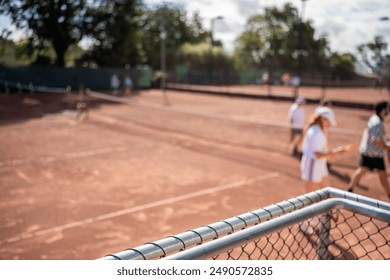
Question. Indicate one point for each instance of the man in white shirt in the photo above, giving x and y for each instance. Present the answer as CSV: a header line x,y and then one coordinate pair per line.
x,y
296,118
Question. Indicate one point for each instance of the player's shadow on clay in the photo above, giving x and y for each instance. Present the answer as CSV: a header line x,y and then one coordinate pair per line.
x,y
343,177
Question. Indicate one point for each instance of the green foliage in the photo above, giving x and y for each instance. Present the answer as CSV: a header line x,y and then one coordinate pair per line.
x,y
342,66
277,39
114,27
73,54
173,23
56,21
44,55
199,56
121,32
194,55
7,56
250,45
269,37
374,54
4,44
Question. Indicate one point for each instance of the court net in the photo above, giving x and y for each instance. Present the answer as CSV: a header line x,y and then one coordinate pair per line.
x,y
325,224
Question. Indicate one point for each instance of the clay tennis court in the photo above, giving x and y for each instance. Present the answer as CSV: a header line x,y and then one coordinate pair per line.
x,y
140,170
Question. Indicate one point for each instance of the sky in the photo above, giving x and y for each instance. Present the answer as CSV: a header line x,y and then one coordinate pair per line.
x,y
346,23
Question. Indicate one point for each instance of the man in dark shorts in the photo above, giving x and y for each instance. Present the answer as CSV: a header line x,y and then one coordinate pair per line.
x,y
372,148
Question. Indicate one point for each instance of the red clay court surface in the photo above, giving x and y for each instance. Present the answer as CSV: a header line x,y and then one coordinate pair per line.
x,y
140,171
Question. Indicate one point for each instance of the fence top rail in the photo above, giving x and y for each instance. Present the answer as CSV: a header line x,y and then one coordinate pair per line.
x,y
333,192
173,244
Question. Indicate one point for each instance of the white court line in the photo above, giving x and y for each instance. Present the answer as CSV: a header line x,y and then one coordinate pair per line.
x,y
126,211
45,159
209,114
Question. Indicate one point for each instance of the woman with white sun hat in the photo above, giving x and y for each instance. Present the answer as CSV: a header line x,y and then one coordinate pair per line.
x,y
315,149
316,152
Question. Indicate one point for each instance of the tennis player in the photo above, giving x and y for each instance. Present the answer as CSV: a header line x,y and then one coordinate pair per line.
x,y
314,170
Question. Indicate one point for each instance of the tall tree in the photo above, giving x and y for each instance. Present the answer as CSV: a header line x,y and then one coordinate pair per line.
x,y
278,38
374,54
113,27
265,36
342,65
3,42
177,27
56,21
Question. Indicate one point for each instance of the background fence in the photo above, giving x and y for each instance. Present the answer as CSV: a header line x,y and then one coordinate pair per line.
x,y
25,77
343,226
225,76
40,77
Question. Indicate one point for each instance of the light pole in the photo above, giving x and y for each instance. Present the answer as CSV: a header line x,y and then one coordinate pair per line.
x,y
212,23
303,9
301,39
163,54
386,63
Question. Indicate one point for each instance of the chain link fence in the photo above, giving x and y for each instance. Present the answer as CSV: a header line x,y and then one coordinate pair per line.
x,y
351,237
56,79
325,224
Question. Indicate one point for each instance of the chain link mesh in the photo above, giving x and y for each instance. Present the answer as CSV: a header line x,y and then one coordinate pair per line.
x,y
350,236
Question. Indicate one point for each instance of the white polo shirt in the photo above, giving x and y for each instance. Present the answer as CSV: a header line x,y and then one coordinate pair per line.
x,y
313,168
296,116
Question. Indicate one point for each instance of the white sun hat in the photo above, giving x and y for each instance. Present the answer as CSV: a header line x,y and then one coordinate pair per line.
x,y
328,114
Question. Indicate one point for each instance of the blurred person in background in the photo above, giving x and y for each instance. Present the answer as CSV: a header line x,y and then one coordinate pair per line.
x,y
114,84
295,83
296,119
285,79
128,85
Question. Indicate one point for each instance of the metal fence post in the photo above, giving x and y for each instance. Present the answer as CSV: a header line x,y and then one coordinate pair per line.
x,y
323,237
